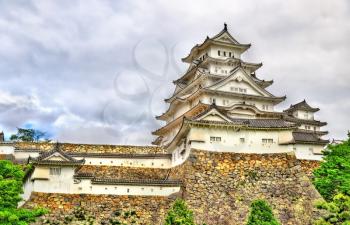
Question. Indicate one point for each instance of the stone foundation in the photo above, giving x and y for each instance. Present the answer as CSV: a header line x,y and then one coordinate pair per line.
x,y
218,187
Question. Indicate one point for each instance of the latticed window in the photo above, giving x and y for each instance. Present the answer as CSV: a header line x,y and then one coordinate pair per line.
x,y
215,139
267,140
55,171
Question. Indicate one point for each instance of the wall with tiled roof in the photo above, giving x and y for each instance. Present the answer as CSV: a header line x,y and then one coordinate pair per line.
x,y
69,147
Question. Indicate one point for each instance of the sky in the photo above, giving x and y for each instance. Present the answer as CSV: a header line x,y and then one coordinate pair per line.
x,y
97,71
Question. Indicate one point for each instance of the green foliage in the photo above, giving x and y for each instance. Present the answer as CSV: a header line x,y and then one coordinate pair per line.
x,y
179,214
29,135
261,214
338,211
11,177
333,176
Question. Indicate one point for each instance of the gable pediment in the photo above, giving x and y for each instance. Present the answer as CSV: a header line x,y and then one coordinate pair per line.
x,y
239,82
214,115
57,156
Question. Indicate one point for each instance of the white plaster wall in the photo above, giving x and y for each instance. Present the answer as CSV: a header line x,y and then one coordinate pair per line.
x,y
65,183
242,85
23,155
85,187
301,114
219,100
312,127
28,188
230,140
307,152
6,149
130,162
214,52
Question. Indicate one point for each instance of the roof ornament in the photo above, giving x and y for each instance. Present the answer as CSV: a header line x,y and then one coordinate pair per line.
x,y
225,27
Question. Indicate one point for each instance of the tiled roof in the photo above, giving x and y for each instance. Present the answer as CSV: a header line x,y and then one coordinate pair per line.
x,y
119,155
123,172
143,182
264,123
252,123
88,148
301,121
306,138
57,162
301,106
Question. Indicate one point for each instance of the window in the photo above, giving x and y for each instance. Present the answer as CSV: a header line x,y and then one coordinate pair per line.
x,y
224,53
267,141
242,140
314,128
215,139
307,127
234,89
219,53
225,102
55,171
243,90
265,107
212,100
229,54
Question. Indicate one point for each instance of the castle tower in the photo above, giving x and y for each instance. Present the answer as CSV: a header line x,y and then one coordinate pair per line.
x,y
220,104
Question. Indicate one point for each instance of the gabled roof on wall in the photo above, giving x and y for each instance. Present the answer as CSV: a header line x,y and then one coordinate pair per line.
x,y
303,105
45,158
301,137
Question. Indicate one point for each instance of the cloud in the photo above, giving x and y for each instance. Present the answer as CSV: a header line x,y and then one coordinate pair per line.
x,y
98,71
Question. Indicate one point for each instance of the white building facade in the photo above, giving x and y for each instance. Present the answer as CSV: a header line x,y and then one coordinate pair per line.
x,y
220,104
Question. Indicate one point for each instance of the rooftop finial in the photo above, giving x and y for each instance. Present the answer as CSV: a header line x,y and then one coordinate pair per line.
x,y
225,26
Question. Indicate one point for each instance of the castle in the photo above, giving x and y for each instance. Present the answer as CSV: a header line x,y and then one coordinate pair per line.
x,y
222,137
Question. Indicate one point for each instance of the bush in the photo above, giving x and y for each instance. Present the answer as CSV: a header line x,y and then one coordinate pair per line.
x,y
261,214
338,211
333,176
179,214
11,182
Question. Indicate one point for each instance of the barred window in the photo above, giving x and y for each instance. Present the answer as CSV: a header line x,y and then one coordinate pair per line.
x,y
55,171
267,141
215,139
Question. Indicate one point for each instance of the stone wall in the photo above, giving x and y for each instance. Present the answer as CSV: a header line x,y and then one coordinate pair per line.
x,y
218,187
149,210
91,148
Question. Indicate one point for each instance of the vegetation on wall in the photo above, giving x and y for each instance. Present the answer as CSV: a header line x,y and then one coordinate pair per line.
x,y
261,214
29,135
333,175
337,211
332,180
179,214
11,181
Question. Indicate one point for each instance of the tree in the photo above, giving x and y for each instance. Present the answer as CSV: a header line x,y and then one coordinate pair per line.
x,y
179,214
333,175
338,211
11,182
29,135
261,214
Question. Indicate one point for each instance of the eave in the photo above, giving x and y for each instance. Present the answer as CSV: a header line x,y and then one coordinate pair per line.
x,y
246,96
200,107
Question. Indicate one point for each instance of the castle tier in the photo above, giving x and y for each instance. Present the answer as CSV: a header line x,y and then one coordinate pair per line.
x,y
220,104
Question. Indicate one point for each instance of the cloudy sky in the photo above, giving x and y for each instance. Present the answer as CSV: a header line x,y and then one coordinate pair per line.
x,y
97,71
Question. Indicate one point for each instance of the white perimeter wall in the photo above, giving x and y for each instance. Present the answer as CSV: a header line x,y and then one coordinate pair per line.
x,y
65,183
230,140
